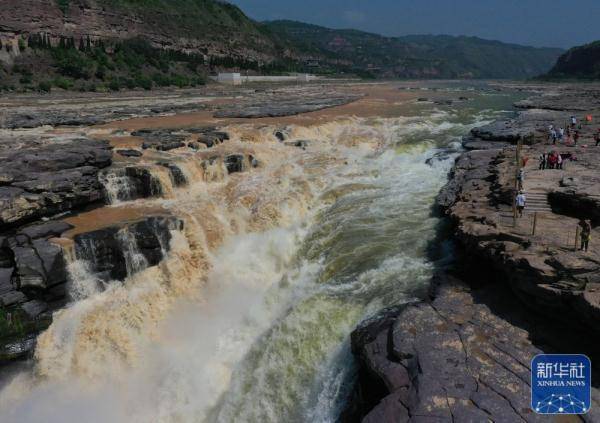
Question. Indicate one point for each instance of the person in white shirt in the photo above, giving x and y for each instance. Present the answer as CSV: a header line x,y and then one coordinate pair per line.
x,y
521,201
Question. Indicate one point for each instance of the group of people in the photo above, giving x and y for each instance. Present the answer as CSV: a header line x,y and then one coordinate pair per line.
x,y
552,160
572,133
559,134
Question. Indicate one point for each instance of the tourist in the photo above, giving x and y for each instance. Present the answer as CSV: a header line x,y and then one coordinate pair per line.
x,y
554,136
559,161
550,132
543,158
597,137
552,160
521,178
586,230
561,134
573,121
520,202
575,138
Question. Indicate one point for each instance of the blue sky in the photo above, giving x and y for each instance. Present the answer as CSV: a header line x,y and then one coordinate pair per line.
x,y
551,23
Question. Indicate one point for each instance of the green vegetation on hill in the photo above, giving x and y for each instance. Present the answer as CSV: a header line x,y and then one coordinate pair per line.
x,y
419,56
98,67
582,62
179,42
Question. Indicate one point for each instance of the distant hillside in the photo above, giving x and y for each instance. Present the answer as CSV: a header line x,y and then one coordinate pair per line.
x,y
420,56
102,45
582,62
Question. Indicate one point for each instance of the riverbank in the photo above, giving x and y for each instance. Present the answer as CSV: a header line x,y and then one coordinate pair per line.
x,y
524,278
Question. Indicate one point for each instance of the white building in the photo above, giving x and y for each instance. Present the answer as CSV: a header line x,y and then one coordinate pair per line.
x,y
230,78
238,79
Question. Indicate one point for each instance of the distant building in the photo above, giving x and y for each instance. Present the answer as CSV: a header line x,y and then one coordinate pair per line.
x,y
230,78
238,79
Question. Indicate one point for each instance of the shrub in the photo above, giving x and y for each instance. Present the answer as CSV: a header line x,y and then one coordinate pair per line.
x,y
143,81
73,63
45,87
63,83
25,79
114,85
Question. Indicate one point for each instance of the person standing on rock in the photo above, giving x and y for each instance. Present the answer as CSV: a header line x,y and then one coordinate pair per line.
x,y
559,161
575,138
573,121
561,135
554,136
586,231
521,200
543,158
551,160
597,137
521,178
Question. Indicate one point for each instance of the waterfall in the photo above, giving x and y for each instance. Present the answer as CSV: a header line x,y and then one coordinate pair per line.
x,y
247,316
135,261
117,185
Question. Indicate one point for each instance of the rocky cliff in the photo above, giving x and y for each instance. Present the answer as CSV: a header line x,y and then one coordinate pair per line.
x,y
582,62
206,26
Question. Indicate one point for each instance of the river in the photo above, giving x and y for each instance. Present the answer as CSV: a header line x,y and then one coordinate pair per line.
x,y
249,319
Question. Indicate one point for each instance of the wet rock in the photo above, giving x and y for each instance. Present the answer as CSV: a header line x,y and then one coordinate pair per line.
x,y
280,135
50,229
235,163
194,145
209,142
119,251
131,183
17,348
130,153
163,145
39,265
177,176
422,99
34,308
12,298
298,143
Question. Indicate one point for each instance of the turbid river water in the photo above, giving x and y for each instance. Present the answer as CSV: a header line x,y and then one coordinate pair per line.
x,y
249,318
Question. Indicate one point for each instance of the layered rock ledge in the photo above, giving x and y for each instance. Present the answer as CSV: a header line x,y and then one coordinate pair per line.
x,y
463,355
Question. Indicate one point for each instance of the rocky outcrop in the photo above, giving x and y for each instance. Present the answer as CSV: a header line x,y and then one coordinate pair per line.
x,y
34,275
55,116
42,181
170,139
546,276
130,183
464,355
120,251
284,107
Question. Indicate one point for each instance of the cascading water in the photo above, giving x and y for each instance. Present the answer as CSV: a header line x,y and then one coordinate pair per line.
x,y
248,317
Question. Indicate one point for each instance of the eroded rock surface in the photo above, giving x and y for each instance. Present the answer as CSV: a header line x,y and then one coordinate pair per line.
x,y
45,180
462,356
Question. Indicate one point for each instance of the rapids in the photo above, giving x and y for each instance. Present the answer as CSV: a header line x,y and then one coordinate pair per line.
x,y
248,318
